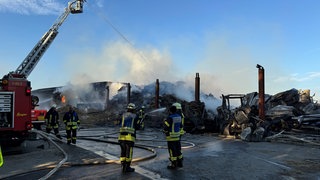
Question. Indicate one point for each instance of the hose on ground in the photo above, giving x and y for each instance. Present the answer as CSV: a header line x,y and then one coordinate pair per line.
x,y
45,135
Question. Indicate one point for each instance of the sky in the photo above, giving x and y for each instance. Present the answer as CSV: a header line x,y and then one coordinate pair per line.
x,y
171,40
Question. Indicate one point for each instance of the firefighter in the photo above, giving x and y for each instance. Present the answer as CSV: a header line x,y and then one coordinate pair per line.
x,y
1,158
52,121
127,136
141,116
171,127
179,111
72,122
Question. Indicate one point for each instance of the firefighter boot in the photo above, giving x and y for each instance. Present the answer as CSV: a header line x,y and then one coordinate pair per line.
x,y
180,163
74,141
124,166
128,168
172,165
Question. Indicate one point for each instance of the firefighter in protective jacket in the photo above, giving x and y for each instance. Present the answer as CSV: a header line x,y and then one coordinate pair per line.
x,y
141,115
179,111
171,127
72,122
52,121
182,132
127,136
1,158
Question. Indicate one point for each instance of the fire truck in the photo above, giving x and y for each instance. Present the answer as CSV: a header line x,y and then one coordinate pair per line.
x,y
16,100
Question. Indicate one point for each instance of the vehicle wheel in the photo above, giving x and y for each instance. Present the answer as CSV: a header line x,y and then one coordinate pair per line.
x,y
225,128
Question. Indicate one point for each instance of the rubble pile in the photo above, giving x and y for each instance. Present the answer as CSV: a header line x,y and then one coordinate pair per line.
x,y
292,105
292,109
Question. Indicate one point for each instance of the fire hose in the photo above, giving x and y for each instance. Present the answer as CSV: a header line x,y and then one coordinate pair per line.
x,y
45,135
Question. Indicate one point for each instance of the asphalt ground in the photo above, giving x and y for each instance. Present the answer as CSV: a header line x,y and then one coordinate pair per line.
x,y
44,156
213,157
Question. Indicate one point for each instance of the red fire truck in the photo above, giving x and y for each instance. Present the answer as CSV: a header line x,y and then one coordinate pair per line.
x,y
16,101
38,118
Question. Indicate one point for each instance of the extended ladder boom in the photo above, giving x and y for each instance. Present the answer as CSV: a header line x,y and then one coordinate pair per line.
x,y
40,48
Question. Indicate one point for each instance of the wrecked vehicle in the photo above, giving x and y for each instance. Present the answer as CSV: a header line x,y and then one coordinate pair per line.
x,y
284,111
232,114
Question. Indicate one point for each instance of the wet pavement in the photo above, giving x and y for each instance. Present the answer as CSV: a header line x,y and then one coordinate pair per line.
x,y
206,156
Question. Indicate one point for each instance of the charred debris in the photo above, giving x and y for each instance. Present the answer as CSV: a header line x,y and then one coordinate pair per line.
x,y
238,115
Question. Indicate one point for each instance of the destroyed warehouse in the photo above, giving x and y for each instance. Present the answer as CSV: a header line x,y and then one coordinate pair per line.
x,y
102,103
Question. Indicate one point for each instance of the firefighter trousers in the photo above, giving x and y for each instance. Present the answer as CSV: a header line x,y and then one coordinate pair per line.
x,y
174,148
71,136
126,151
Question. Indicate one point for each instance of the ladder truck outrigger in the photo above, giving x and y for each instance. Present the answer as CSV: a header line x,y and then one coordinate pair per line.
x,y
16,101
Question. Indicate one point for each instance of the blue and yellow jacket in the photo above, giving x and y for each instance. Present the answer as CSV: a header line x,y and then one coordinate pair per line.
x,y
172,127
128,126
71,120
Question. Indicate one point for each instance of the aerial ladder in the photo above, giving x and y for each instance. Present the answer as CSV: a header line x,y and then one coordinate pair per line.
x,y
29,63
17,105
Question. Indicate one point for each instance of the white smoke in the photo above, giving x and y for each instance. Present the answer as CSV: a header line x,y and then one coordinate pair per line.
x,y
114,88
118,62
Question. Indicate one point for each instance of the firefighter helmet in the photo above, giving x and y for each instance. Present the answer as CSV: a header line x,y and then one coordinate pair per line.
x,y
131,106
177,105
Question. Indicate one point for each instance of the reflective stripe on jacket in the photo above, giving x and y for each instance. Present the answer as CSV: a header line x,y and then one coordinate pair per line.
x,y
172,127
71,120
128,127
141,114
182,132
52,119
1,158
